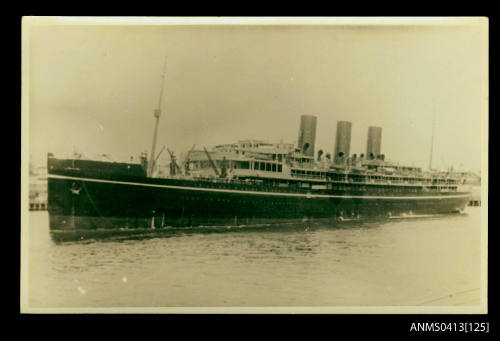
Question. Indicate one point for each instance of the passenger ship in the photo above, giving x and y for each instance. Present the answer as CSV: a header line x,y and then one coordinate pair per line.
x,y
249,182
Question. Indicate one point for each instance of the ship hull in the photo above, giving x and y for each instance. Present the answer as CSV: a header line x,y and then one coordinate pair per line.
x,y
80,202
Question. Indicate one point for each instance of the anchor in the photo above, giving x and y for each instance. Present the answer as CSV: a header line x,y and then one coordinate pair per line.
x,y
75,189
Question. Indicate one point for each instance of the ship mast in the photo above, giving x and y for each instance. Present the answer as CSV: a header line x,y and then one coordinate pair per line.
x,y
157,114
432,139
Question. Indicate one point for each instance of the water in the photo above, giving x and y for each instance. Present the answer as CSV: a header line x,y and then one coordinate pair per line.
x,y
413,262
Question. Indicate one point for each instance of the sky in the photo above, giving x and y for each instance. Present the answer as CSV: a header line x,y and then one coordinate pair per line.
x,y
94,88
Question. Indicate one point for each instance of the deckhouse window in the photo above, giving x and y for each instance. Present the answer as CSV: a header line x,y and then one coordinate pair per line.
x,y
242,165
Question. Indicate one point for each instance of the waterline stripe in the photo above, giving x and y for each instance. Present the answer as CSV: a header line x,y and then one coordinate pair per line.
x,y
218,190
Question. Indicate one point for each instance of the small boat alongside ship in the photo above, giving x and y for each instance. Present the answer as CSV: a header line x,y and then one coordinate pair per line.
x,y
244,183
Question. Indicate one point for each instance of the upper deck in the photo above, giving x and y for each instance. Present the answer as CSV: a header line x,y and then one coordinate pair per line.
x,y
282,163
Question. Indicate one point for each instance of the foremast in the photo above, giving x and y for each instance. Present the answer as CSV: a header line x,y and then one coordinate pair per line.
x,y
157,114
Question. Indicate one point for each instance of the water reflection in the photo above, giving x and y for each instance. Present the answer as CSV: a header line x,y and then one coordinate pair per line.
x,y
403,262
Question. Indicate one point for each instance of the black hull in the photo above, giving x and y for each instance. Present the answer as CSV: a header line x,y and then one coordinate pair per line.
x,y
77,202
